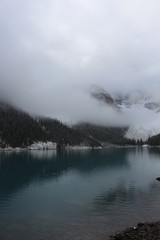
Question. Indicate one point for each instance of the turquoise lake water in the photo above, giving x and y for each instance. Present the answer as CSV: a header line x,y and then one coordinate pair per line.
x,y
77,195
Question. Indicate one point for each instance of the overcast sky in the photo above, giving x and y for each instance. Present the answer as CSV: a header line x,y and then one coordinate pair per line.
x,y
52,51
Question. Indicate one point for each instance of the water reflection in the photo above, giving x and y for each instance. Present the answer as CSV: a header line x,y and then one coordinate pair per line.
x,y
20,169
77,194
41,155
117,194
122,195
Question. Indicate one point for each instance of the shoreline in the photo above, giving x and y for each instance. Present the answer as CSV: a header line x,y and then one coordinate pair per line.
x,y
41,146
143,231
77,147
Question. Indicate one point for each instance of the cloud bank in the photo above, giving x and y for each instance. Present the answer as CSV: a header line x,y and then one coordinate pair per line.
x,y
53,51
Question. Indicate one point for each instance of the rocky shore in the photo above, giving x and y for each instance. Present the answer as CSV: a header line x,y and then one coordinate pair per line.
x,y
143,231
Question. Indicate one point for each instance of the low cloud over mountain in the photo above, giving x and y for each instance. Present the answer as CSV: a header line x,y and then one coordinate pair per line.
x,y
52,52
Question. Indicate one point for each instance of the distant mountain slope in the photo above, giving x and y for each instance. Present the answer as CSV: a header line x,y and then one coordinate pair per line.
x,y
19,129
114,135
138,105
137,98
63,134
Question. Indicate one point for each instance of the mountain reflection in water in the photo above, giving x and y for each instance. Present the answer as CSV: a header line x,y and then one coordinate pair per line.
x,y
77,194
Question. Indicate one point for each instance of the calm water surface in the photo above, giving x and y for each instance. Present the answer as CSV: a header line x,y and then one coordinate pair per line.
x,y
77,195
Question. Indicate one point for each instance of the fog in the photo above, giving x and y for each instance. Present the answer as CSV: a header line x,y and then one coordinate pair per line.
x,y
52,52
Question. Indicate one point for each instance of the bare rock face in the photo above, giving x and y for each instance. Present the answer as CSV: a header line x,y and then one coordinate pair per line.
x,y
138,98
102,95
152,105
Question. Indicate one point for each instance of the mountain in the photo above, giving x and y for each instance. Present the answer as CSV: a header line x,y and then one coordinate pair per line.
x,y
140,108
19,129
102,95
64,135
105,135
137,98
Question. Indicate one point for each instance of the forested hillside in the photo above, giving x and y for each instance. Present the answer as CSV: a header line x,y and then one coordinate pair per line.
x,y
114,135
19,129
154,141
63,134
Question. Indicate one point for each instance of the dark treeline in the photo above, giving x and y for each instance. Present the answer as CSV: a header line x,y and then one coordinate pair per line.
x,y
19,129
154,141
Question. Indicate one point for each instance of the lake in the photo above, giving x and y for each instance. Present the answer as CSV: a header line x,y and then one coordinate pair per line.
x,y
77,195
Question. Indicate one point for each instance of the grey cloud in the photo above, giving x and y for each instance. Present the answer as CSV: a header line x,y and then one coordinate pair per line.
x,y
53,51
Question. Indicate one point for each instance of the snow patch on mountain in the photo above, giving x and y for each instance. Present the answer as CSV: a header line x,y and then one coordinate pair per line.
x,y
144,122
140,109
141,133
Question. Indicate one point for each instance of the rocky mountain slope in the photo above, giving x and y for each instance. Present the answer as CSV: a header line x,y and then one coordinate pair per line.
x,y
140,108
